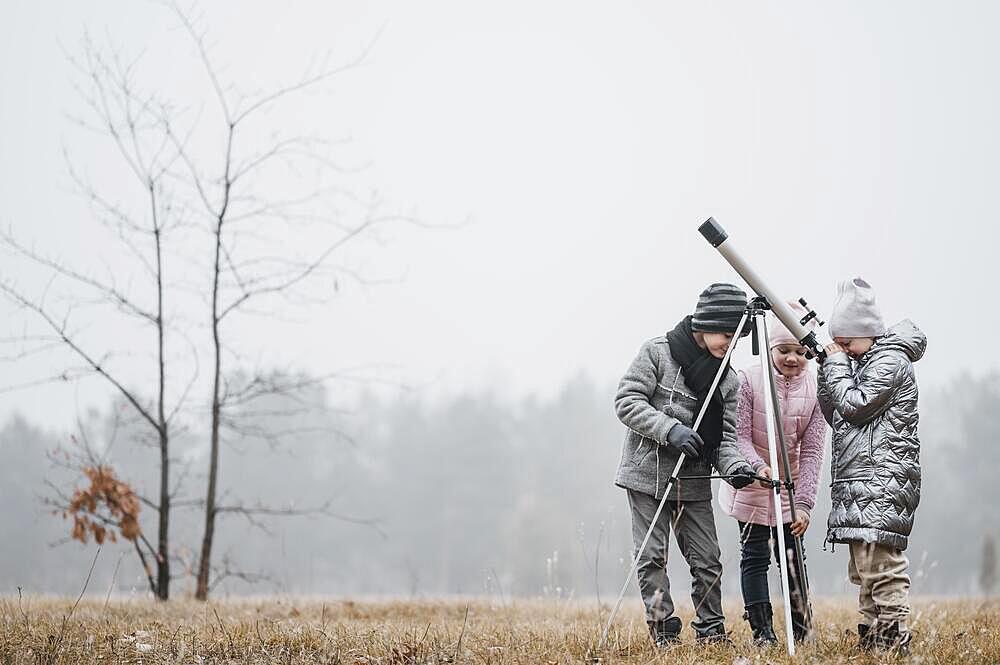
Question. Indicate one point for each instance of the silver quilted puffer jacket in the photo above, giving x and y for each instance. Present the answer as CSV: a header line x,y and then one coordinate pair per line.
x,y
875,465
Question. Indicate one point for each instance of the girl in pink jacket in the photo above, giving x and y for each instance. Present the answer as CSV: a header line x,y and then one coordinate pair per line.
x,y
805,431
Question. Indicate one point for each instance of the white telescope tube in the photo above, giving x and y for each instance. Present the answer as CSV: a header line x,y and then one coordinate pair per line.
x,y
718,238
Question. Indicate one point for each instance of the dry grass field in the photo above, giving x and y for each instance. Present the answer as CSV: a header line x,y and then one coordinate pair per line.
x,y
283,630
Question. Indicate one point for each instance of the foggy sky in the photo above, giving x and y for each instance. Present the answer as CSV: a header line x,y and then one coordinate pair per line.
x,y
584,142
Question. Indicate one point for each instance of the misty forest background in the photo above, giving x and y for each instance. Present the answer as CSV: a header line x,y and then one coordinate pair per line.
x,y
472,495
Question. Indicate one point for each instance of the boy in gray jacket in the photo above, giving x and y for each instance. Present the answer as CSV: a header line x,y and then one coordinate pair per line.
x,y
868,393
658,400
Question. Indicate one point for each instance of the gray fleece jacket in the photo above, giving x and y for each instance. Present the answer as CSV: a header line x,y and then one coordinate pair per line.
x,y
652,398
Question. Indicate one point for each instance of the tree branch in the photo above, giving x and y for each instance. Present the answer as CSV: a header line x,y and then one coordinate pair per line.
x,y
94,364
112,293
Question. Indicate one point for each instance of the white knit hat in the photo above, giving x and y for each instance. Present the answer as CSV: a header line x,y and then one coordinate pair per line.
x,y
855,313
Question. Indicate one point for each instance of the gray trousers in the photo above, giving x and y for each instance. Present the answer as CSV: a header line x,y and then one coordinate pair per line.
x,y
693,524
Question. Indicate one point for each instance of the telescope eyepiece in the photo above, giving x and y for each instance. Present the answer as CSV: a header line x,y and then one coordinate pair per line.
x,y
713,232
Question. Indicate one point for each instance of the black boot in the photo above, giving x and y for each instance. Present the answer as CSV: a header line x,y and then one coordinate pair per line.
x,y
888,637
717,635
667,632
760,617
866,637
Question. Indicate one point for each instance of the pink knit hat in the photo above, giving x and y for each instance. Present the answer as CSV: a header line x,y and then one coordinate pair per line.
x,y
778,333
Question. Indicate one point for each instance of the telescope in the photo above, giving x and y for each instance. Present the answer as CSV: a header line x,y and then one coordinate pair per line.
x,y
719,239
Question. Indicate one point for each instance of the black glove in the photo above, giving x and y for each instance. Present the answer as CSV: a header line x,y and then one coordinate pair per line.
x,y
742,476
686,440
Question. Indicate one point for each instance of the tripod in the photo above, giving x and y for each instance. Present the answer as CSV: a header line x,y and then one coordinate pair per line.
x,y
756,310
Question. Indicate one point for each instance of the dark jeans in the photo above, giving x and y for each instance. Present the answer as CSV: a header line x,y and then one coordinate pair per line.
x,y
755,560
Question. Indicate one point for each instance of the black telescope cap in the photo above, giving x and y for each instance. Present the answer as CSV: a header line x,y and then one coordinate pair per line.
x,y
713,232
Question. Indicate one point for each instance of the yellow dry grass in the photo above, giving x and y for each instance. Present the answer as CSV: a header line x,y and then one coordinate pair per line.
x,y
288,630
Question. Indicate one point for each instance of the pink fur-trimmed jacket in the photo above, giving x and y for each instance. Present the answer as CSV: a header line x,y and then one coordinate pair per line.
x,y
805,431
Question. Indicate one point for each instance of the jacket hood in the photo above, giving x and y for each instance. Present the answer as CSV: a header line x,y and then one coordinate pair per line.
x,y
905,336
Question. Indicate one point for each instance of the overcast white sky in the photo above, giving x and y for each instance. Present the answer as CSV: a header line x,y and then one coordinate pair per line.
x,y
585,141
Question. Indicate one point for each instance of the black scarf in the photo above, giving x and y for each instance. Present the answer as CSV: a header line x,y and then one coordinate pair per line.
x,y
699,368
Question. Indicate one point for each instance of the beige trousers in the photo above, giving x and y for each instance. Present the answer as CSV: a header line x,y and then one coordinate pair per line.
x,y
883,574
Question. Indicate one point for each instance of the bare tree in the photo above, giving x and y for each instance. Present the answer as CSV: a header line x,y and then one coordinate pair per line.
x,y
129,119
266,221
256,266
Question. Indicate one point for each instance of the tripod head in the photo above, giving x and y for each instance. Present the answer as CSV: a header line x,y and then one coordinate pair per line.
x,y
756,307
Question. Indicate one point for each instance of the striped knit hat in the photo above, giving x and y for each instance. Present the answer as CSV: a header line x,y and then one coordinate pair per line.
x,y
720,308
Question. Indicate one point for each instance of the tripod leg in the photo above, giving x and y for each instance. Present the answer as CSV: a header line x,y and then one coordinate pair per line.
x,y
639,551
801,609
772,446
802,602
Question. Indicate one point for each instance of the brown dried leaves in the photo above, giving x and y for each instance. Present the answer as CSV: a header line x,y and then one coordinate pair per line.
x,y
105,509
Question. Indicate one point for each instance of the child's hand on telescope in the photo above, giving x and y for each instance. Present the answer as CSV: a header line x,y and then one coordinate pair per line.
x,y
764,471
800,525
